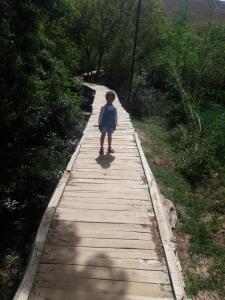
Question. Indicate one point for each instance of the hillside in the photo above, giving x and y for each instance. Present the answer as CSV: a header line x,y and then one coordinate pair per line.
x,y
198,11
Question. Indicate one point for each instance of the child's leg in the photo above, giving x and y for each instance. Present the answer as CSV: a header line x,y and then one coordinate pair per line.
x,y
102,139
109,140
110,150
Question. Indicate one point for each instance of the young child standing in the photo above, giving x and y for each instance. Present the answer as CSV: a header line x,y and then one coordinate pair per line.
x,y
107,121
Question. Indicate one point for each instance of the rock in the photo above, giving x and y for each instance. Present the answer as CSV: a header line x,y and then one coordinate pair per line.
x,y
159,162
170,211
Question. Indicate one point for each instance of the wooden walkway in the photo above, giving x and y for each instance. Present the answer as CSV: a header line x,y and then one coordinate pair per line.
x,y
100,237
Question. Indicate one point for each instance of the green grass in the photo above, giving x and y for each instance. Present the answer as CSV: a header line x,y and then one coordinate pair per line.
x,y
212,113
157,143
200,210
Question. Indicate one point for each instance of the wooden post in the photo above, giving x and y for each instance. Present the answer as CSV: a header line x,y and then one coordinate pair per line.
x,y
134,51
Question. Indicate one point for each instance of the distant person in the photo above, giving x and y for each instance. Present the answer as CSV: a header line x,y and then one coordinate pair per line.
x,y
107,121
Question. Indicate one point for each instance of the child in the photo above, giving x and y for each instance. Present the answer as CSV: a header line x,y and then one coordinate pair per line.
x,y
107,121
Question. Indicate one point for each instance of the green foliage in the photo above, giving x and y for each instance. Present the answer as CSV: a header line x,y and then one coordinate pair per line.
x,y
217,272
142,97
187,69
203,154
197,282
39,111
40,115
210,282
200,211
98,28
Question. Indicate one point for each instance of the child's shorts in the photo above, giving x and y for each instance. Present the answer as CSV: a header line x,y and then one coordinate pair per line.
x,y
107,130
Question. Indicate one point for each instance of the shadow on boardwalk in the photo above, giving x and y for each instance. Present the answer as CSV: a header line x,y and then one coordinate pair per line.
x,y
105,160
74,267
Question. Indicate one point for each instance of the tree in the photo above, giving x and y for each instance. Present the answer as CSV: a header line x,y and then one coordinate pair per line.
x,y
99,23
40,115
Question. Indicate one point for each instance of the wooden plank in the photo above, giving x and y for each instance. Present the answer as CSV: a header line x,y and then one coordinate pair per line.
x,y
95,147
112,177
115,142
105,180
126,228
114,195
116,177
105,172
112,159
102,216
116,139
104,185
70,255
104,200
72,229
105,206
125,147
104,213
117,134
107,188
110,162
99,285
130,275
123,129
71,239
128,140
119,167
120,131
95,151
90,153
121,171
117,155
108,176
112,170
119,149
58,294
122,263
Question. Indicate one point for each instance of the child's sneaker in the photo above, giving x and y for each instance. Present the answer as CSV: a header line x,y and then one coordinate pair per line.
x,y
101,151
110,150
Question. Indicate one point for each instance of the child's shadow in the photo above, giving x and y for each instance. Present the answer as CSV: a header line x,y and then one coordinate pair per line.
x,y
105,160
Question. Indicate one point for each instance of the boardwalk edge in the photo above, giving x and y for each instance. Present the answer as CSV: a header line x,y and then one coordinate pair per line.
x,y
174,267
26,284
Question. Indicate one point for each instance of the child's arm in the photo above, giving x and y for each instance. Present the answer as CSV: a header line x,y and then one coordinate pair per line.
x,y
100,117
116,118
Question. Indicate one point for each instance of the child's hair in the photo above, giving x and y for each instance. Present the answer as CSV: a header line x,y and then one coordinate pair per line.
x,y
110,93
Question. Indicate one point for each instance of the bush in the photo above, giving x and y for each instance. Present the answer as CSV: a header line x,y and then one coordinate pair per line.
x,y
203,152
143,98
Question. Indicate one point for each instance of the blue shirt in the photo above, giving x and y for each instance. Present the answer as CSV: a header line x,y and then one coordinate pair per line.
x,y
108,117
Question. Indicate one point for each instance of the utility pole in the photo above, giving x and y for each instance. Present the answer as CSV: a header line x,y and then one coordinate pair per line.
x,y
134,51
